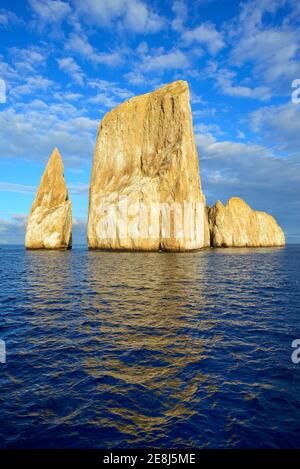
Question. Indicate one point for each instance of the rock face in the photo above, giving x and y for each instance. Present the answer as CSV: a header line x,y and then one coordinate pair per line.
x,y
206,228
146,170
50,221
237,225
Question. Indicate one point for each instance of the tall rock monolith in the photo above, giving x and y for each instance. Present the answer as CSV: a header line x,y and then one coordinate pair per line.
x,y
145,190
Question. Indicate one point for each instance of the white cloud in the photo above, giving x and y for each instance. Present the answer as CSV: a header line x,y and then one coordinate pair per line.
x,y
69,66
68,96
274,53
108,94
179,8
135,78
50,11
280,125
103,99
205,112
208,129
80,45
174,60
153,63
100,12
29,59
32,84
205,34
225,82
140,19
20,188
272,50
12,230
31,131
265,180
134,15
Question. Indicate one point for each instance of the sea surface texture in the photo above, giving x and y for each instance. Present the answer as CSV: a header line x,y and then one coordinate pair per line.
x,y
123,350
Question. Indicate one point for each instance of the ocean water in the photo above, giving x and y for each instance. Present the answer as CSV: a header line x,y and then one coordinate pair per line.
x,y
128,350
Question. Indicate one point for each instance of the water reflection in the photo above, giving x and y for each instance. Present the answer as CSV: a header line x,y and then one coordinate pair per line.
x,y
150,337
148,349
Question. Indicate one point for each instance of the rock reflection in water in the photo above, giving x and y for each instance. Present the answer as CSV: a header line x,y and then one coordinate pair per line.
x,y
149,349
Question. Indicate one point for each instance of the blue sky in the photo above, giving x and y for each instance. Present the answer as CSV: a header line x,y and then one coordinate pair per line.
x,y
66,63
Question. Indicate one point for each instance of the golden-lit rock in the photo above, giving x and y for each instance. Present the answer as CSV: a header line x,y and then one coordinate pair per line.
x,y
145,170
237,225
50,221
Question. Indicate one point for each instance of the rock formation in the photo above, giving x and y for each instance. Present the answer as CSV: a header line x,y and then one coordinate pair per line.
x,y
146,170
237,225
207,242
50,221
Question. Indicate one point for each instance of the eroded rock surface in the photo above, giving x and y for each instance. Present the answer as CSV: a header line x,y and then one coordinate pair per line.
x,y
145,165
50,221
237,225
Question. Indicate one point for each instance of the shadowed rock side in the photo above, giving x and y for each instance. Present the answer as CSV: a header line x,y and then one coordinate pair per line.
x,y
237,225
206,228
50,221
145,154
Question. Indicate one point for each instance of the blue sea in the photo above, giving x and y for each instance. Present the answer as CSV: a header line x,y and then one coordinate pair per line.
x,y
135,350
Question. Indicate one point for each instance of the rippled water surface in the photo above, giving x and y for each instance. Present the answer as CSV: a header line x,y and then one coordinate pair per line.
x,y
150,349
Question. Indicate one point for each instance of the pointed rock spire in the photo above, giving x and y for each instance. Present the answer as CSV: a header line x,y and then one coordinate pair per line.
x,y
50,221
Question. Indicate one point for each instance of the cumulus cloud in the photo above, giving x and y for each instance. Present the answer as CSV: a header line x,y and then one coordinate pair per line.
x,y
31,131
140,18
272,50
225,82
134,15
205,34
174,60
280,125
254,172
79,44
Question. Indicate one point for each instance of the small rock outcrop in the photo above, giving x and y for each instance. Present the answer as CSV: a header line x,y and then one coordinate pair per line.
x,y
237,225
145,170
50,221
